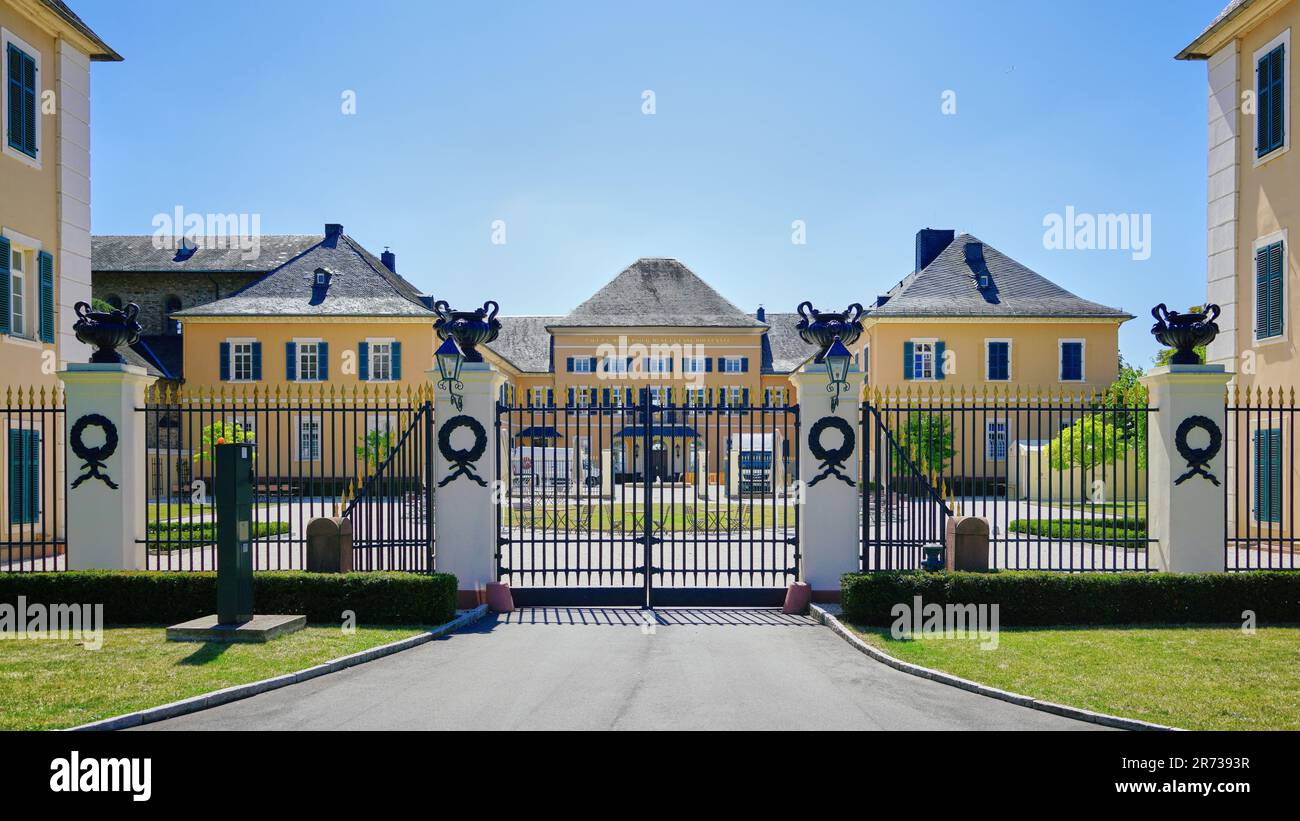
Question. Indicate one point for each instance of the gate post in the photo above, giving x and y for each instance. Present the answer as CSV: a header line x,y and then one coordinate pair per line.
x,y
465,475
104,483
829,457
1185,466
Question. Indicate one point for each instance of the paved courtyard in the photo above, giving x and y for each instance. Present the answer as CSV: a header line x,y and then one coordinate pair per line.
x,y
605,669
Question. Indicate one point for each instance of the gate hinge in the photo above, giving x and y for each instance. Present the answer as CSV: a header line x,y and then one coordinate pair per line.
x,y
650,540
502,541
792,540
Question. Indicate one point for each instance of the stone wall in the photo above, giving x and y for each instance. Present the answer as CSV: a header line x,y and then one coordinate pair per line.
x,y
152,290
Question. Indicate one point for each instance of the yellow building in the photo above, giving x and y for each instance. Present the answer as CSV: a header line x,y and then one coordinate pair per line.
x,y
1254,202
46,52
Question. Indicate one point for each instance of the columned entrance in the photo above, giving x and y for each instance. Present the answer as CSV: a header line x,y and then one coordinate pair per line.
x,y
648,505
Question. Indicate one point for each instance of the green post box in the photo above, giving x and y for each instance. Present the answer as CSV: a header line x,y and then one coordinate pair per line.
x,y
234,472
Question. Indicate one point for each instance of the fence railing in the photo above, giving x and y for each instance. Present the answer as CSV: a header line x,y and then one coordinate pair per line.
x,y
1059,474
315,449
32,507
1261,480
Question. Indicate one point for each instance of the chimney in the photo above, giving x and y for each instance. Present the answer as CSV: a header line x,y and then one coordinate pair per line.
x,y
930,242
761,314
333,230
389,259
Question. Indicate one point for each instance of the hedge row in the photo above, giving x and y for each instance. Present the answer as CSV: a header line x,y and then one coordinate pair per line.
x,y
167,598
1027,598
1130,533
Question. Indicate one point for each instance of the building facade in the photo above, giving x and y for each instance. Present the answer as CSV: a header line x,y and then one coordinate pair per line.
x,y
46,53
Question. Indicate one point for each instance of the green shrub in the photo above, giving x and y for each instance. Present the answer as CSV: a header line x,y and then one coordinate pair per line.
x,y
1120,532
1028,598
174,535
134,597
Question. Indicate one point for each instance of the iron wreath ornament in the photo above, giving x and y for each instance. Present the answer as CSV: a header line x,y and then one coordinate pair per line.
x,y
462,460
93,457
1198,458
832,459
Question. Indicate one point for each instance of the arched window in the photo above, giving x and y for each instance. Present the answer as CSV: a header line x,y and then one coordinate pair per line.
x,y
170,306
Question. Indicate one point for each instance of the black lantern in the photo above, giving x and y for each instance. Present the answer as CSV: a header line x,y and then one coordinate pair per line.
x,y
450,358
838,360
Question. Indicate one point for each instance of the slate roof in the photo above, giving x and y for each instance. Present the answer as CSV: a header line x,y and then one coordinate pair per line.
x,y
104,52
525,343
163,352
783,349
946,288
360,285
136,253
657,292
1230,11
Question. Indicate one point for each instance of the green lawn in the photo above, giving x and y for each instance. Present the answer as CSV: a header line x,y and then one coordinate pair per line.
x,y
1194,677
52,684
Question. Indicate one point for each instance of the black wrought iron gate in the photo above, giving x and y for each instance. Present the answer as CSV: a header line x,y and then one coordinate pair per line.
x,y
617,499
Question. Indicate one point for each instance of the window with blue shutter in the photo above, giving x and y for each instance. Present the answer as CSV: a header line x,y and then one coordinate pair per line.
x,y
908,352
363,361
1270,305
45,267
323,361
22,100
999,354
397,361
1071,361
5,252
940,366
224,355
1268,475
257,361
1270,109
24,476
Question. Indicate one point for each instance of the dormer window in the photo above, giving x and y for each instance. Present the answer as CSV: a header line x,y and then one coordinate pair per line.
x,y
322,278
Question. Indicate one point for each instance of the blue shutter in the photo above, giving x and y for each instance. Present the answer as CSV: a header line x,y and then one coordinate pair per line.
x,y
593,364
744,364
568,365
938,360
45,265
396,348
999,369
4,285
604,399
22,101
363,361
257,361
550,397
24,476
744,398
1268,475
908,355
225,361
1270,108
323,357
708,364
15,95
290,361
1270,306
570,402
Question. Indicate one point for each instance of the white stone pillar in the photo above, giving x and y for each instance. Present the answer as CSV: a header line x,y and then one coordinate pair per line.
x,y
829,531
106,525
1185,509
466,524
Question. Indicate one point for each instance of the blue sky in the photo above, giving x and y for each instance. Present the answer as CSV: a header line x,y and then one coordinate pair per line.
x,y
531,113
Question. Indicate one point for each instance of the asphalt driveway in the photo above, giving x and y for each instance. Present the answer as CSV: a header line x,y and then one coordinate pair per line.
x,y
606,669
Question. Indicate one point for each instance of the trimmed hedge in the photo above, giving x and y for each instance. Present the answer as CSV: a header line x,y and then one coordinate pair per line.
x,y
1130,533
176,535
136,597
1027,598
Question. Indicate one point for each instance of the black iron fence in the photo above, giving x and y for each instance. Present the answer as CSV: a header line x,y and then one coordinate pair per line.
x,y
32,505
649,502
1060,475
319,451
1261,467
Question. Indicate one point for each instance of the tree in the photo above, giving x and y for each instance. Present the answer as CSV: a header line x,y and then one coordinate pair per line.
x,y
373,447
927,441
1091,441
229,433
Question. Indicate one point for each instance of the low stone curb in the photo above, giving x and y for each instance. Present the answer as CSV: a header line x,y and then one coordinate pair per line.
x,y
202,702
826,617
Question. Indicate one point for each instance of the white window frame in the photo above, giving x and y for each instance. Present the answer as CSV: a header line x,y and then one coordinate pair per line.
x,y
661,396
583,364
1264,242
299,427
247,423
1283,39
693,364
299,353
990,450
234,343
582,395
774,392
372,350
616,364
933,343
732,364
1083,360
29,249
537,396
988,360
733,395
697,397
659,364
7,37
